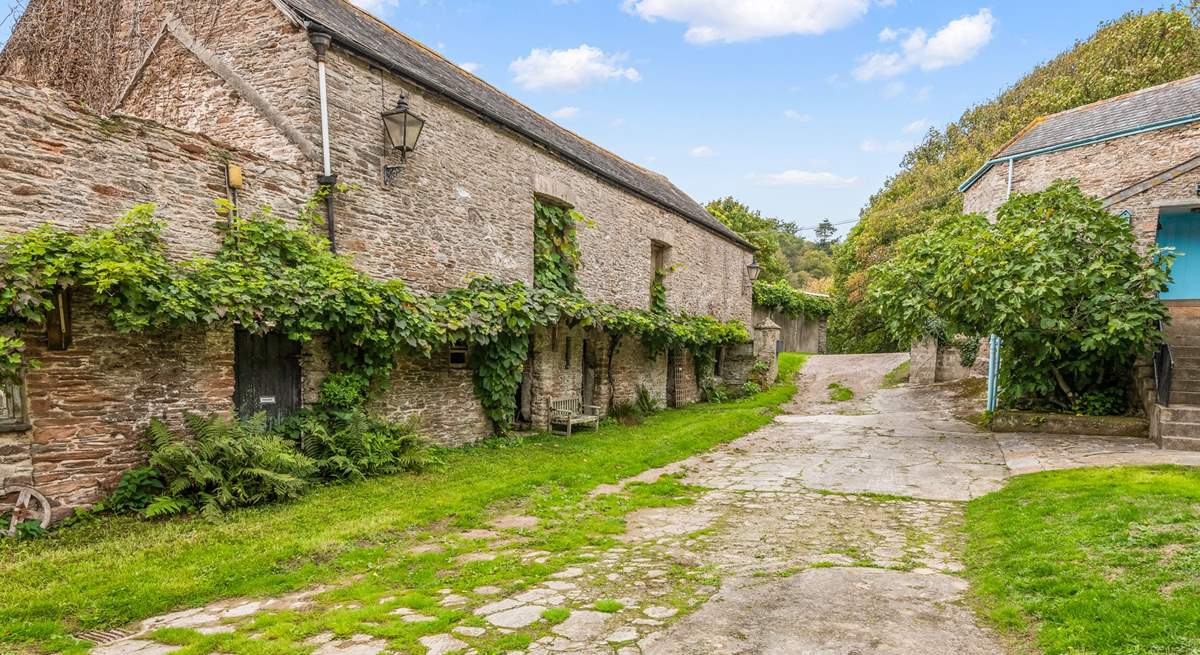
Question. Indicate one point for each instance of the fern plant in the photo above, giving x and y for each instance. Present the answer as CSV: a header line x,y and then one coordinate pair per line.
x,y
353,445
224,464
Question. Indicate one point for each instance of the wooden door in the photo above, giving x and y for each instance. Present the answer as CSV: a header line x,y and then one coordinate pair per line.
x,y
266,375
672,378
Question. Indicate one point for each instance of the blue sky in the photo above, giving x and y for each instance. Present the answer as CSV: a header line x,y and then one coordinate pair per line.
x,y
801,108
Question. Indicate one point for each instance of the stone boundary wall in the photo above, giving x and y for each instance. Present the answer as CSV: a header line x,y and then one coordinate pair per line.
x,y
799,335
930,363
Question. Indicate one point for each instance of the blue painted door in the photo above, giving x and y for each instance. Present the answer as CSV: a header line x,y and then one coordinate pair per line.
x,y
1181,231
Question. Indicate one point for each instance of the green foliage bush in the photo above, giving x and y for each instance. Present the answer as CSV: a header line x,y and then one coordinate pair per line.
x,y
270,275
1130,53
789,301
135,492
223,464
353,445
647,405
1058,278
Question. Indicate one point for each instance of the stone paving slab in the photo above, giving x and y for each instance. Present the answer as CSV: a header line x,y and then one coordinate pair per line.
x,y
831,612
830,532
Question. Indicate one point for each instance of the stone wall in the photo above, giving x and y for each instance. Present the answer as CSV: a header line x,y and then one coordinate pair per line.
x,y
1102,169
930,363
89,405
462,206
799,335
63,164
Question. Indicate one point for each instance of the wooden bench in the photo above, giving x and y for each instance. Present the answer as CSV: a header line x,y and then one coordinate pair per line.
x,y
569,412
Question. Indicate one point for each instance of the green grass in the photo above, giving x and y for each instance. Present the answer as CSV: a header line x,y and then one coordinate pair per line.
x,y
556,615
608,606
840,393
897,376
118,570
1091,561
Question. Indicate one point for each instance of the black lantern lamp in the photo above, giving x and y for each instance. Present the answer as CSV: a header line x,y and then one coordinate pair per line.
x,y
403,129
753,269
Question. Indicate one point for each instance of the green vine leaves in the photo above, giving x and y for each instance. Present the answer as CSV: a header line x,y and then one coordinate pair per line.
x,y
273,275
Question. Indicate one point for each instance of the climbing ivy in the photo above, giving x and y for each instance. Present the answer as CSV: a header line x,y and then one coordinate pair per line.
x,y
658,292
555,249
272,275
790,301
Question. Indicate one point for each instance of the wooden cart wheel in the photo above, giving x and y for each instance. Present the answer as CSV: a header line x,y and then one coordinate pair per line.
x,y
30,504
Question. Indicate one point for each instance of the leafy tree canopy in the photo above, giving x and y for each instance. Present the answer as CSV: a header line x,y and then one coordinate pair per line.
x,y
1057,277
782,253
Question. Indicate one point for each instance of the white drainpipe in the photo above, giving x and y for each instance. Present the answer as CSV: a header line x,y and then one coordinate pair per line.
x,y
320,42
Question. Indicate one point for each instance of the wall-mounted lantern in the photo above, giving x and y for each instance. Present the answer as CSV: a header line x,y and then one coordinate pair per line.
x,y
753,270
403,129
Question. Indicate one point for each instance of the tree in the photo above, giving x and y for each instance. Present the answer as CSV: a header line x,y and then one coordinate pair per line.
x,y
825,235
762,232
1130,53
1057,277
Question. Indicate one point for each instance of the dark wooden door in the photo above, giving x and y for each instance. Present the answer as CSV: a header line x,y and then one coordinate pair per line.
x,y
267,375
672,378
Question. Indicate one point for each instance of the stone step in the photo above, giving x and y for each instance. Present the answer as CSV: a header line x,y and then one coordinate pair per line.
x,y
1182,397
1183,340
1185,352
1186,364
1181,414
1185,385
1179,374
1179,436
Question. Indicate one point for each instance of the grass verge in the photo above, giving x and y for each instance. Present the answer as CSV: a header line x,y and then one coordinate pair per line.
x,y
118,570
1091,561
840,393
897,376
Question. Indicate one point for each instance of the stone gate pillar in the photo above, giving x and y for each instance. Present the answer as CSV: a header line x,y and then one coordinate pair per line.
x,y
766,340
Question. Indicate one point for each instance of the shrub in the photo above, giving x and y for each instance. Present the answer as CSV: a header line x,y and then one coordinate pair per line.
x,y
226,463
647,405
353,445
135,492
1057,277
626,413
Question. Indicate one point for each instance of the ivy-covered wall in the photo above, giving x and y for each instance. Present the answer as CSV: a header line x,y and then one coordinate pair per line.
x,y
462,207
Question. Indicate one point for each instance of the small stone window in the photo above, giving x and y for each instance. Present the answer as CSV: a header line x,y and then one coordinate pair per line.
x,y
567,354
12,407
457,357
719,361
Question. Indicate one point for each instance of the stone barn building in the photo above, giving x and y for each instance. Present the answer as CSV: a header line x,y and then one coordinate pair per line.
x,y
1140,153
292,91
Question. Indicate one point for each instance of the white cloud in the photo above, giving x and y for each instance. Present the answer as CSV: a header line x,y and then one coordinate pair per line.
x,y
469,66
888,34
955,43
923,93
570,68
892,147
794,177
374,6
743,20
565,112
919,126
799,117
893,89
702,152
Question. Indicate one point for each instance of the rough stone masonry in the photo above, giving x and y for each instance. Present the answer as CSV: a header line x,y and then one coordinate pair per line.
x,y
461,206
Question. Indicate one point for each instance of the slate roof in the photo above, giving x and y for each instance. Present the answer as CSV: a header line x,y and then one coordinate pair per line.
x,y
1146,107
360,32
